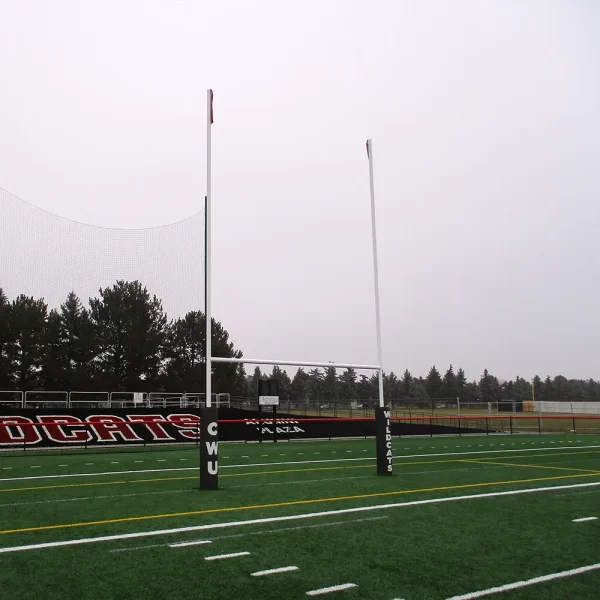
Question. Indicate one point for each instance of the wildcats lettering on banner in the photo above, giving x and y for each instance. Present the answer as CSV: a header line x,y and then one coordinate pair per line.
x,y
18,436
158,432
56,433
61,429
107,427
188,423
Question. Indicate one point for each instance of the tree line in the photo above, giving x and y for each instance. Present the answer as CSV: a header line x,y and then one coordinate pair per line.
x,y
328,386
123,341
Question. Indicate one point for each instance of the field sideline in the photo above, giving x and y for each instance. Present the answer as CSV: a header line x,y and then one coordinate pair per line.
x,y
460,518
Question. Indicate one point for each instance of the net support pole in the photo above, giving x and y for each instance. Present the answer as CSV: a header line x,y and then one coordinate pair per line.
x,y
209,460
208,314
383,424
375,272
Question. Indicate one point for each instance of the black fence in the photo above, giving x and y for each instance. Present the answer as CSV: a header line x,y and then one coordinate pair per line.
x,y
81,428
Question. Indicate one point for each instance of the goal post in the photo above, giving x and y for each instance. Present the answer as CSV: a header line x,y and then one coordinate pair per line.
x,y
209,470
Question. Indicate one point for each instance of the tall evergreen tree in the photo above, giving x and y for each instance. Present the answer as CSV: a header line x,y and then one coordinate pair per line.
x,y
130,326
406,381
330,384
536,388
489,388
347,385
54,365
315,388
284,382
391,386
78,338
461,382
522,389
185,356
6,370
366,388
450,387
547,390
433,383
27,324
253,381
300,390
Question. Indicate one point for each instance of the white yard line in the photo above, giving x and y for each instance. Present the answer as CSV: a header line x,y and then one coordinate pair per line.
x,y
342,511
291,462
194,543
263,532
87,498
527,582
585,519
274,571
223,556
333,588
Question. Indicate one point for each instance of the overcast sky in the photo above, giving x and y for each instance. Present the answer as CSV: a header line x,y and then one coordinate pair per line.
x,y
485,123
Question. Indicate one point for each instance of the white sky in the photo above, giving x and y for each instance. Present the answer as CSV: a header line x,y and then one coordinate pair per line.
x,y
486,130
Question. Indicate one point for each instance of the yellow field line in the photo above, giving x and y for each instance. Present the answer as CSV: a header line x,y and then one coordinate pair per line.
x,y
341,467
505,464
290,503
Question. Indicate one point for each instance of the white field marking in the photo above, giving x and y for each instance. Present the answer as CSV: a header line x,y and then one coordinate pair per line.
x,y
274,571
6,468
333,588
160,460
348,450
250,485
112,462
245,456
179,459
282,455
194,543
300,453
578,493
585,519
88,464
138,461
521,584
63,465
263,455
112,496
36,466
222,556
263,532
328,513
291,462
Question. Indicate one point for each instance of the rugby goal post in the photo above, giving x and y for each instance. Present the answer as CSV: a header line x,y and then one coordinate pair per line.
x,y
209,469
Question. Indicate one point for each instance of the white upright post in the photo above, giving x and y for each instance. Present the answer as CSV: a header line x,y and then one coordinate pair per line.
x,y
375,272
209,120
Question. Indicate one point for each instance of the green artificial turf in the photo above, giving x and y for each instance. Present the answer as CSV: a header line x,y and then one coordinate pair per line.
x,y
415,552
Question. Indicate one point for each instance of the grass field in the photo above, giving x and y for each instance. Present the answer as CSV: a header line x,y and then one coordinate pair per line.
x,y
455,519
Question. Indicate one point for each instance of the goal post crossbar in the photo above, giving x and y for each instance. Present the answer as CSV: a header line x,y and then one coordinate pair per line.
x,y
294,363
